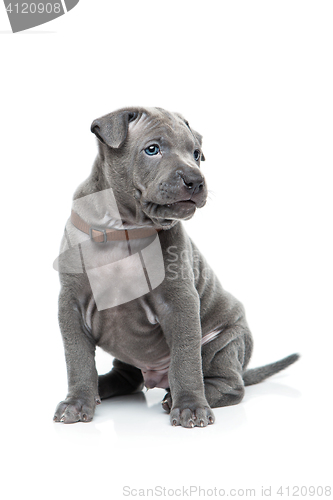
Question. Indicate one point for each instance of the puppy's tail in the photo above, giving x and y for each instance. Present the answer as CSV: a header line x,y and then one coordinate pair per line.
x,y
256,375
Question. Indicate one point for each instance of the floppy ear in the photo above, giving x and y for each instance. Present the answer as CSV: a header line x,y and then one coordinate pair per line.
x,y
112,129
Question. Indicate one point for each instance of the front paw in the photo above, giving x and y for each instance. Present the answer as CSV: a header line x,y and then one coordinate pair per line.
x,y
188,417
76,410
188,413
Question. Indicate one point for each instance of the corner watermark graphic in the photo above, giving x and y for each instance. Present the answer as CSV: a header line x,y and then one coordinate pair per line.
x,y
24,15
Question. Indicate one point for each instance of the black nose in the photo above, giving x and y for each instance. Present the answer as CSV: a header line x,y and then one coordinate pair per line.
x,y
192,180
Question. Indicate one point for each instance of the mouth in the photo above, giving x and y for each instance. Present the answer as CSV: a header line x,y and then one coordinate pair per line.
x,y
166,213
181,203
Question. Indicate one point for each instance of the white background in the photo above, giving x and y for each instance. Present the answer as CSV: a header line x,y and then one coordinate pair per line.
x,y
255,78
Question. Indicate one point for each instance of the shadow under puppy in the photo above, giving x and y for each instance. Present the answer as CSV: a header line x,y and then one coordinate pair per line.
x,y
165,328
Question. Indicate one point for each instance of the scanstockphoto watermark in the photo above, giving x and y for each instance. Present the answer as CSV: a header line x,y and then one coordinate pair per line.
x,y
185,264
262,492
121,264
187,491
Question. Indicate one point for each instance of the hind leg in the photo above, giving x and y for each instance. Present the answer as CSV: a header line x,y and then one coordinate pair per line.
x,y
122,379
223,367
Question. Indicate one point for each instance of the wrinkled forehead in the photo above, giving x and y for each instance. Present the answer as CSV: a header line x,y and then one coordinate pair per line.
x,y
154,124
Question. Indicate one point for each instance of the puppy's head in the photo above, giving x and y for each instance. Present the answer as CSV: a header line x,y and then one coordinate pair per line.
x,y
151,158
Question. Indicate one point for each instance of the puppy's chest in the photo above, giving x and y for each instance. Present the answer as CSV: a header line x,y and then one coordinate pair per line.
x,y
131,332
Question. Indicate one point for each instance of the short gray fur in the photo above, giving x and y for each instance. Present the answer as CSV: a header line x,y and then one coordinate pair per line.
x,y
172,319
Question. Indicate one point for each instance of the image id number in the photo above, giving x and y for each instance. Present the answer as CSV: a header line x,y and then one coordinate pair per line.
x,y
34,8
303,491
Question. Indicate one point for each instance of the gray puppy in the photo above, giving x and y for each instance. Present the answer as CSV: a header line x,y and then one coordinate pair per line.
x,y
184,332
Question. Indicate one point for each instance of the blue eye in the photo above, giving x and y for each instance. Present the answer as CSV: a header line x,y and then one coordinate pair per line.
x,y
196,154
152,150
